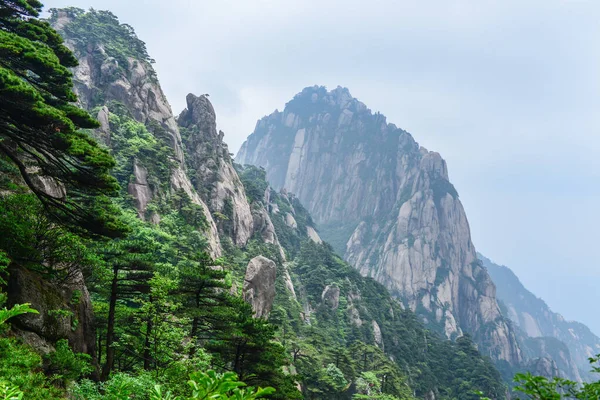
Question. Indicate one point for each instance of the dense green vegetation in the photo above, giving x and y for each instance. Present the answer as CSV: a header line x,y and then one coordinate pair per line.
x,y
93,28
168,320
163,309
39,125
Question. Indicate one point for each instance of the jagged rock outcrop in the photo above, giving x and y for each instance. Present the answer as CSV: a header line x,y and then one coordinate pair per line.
x,y
107,76
213,174
377,333
388,203
571,343
259,285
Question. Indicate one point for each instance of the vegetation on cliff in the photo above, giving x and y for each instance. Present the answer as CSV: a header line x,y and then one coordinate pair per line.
x,y
126,302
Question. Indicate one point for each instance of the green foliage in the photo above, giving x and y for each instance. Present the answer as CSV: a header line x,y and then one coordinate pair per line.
x,y
64,365
93,28
223,386
8,392
132,142
441,187
542,388
120,386
21,367
254,180
420,357
39,124
31,239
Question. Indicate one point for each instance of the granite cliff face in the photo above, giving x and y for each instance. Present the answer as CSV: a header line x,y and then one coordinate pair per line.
x,y
212,172
387,204
572,342
109,76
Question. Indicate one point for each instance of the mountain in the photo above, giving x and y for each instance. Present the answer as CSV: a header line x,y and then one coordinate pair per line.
x,y
572,342
387,206
219,269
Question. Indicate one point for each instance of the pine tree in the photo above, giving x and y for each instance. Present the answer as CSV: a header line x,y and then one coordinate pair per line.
x,y
39,123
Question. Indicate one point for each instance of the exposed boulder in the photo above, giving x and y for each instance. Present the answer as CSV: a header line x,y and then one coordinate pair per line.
x,y
290,221
264,227
259,285
288,282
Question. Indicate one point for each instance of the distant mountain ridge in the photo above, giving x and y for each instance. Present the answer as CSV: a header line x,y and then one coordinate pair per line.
x,y
536,320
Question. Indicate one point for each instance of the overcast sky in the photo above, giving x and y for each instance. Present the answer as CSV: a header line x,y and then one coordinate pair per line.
x,y
507,91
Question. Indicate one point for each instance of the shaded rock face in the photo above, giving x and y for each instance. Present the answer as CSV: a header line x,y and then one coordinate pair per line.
x,y
552,350
65,310
213,174
543,367
573,342
390,201
259,285
139,189
331,296
99,79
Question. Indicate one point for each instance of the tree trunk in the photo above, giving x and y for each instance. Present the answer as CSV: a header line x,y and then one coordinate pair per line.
x,y
147,353
110,327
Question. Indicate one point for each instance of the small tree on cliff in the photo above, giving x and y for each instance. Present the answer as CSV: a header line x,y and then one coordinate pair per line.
x,y
39,124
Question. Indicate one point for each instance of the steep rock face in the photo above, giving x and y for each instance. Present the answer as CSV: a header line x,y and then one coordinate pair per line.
x,y
259,285
543,367
212,171
553,350
65,310
536,320
371,186
109,75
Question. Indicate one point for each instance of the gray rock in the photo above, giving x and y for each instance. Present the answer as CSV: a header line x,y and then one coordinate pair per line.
x,y
313,235
288,282
331,296
104,130
99,79
259,285
139,189
377,333
264,227
411,234
215,176
65,310
290,221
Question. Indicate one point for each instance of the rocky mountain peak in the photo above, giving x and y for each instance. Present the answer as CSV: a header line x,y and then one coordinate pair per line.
x,y
199,112
387,205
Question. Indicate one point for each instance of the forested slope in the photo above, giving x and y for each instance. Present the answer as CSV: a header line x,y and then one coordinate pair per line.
x,y
194,248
